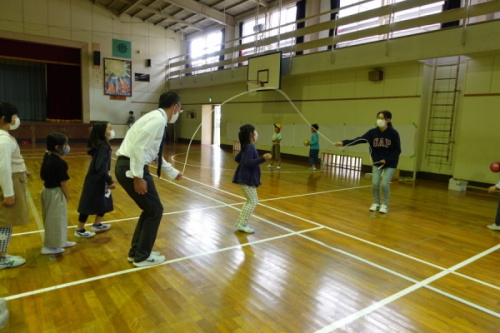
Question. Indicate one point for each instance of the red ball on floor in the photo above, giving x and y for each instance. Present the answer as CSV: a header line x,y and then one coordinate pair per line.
x,y
495,166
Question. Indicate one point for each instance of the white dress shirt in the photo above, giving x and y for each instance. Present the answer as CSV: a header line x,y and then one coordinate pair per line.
x,y
142,142
11,162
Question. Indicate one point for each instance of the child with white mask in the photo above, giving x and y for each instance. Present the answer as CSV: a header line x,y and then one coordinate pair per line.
x,y
385,148
96,198
13,182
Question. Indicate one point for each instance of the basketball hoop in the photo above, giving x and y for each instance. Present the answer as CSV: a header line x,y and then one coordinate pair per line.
x,y
257,82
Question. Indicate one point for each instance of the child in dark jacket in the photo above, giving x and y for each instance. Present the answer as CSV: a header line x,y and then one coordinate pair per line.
x,y
96,196
385,148
247,174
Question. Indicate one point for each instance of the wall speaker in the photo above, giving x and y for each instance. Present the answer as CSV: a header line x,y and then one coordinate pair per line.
x,y
148,62
97,58
376,75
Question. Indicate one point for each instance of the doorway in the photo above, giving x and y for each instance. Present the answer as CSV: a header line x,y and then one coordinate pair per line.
x,y
210,128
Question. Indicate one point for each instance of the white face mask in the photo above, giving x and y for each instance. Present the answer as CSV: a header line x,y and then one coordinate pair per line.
x,y
174,118
17,122
255,136
381,122
111,135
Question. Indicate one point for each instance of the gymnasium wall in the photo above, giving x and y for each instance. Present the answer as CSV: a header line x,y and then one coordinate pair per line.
x,y
73,23
342,102
478,131
329,89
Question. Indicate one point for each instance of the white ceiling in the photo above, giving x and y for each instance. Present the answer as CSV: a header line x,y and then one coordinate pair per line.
x,y
189,16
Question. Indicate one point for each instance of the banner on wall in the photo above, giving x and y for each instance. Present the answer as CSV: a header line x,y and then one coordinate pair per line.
x,y
122,48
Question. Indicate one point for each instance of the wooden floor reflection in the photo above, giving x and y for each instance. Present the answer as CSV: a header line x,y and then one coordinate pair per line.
x,y
319,261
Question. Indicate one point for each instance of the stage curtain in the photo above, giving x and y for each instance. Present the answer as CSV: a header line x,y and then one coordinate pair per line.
x,y
23,84
64,98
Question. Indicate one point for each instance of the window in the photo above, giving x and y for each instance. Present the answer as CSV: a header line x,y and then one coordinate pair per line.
x,y
268,26
376,21
433,8
361,25
200,47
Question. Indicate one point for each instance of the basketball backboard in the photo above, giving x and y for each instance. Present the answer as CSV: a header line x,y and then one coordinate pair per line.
x,y
264,72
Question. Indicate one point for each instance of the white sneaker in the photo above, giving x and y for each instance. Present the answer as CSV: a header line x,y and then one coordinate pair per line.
x,y
69,244
154,253
151,261
278,167
374,207
383,209
312,168
494,227
245,228
9,261
100,227
52,250
84,234
270,166
8,256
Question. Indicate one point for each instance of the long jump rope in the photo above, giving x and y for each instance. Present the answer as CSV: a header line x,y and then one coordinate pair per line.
x,y
298,112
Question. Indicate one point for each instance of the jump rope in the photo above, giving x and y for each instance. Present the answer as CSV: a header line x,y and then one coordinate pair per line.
x,y
296,110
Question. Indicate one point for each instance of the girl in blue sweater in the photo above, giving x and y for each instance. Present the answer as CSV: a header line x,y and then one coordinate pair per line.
x,y
247,174
385,148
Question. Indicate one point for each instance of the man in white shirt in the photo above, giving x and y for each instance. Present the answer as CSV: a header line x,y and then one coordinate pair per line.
x,y
139,148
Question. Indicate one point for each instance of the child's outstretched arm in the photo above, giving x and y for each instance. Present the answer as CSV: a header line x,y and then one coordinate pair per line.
x,y
493,188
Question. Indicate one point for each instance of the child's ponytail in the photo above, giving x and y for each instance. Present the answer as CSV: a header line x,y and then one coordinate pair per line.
x,y
244,135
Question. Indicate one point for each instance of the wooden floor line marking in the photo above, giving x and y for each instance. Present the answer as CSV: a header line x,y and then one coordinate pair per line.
x,y
392,298
135,269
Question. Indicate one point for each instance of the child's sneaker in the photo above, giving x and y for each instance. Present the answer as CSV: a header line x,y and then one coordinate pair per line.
x,y
8,256
100,227
69,244
9,261
494,227
383,209
245,228
278,167
312,168
84,233
52,250
374,207
270,166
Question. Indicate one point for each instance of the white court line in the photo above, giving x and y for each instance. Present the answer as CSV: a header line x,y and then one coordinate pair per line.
x,y
370,263
222,204
40,225
272,223
293,168
292,233
278,198
135,269
319,224
392,298
354,256
346,234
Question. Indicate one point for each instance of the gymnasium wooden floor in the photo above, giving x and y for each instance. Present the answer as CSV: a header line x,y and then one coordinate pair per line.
x,y
318,262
